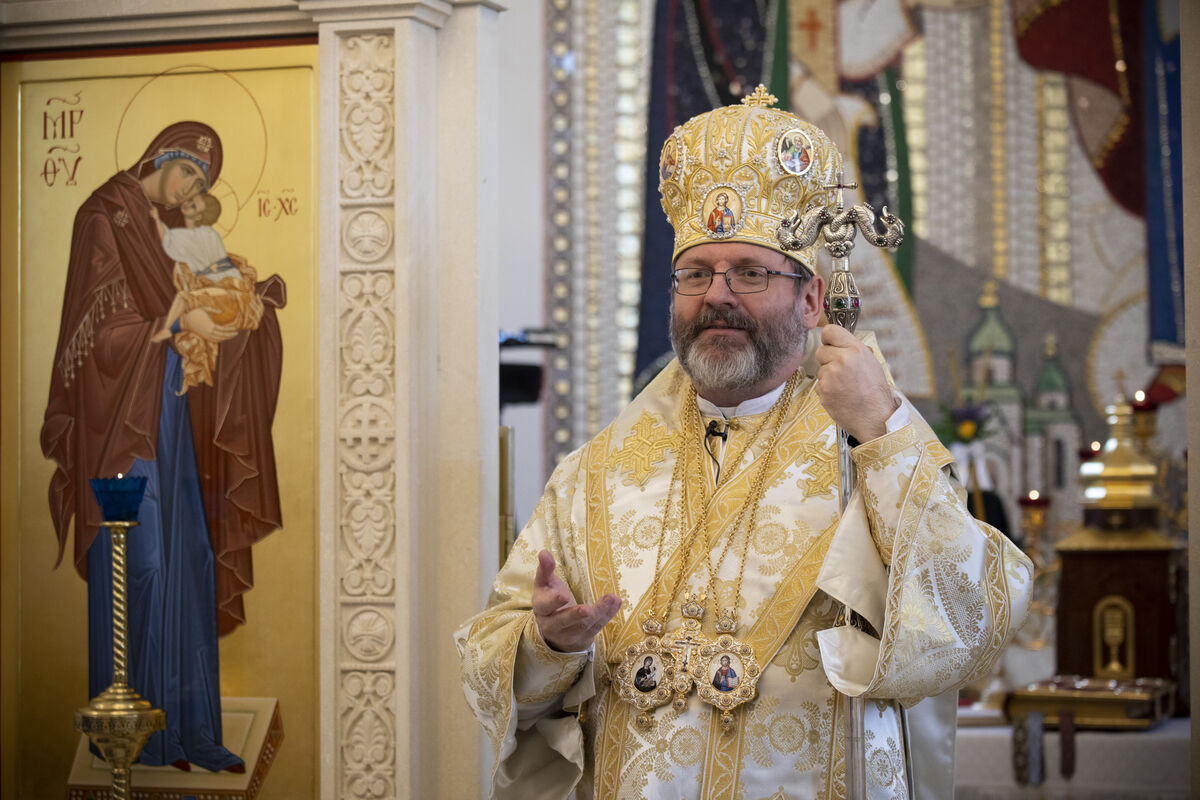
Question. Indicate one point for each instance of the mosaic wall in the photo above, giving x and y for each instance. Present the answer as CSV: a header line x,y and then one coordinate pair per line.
x,y
1039,183
595,151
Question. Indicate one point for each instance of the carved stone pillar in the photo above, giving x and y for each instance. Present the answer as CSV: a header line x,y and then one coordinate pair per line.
x,y
409,375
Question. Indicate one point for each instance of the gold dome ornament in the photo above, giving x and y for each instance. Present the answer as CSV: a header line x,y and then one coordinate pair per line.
x,y
1121,502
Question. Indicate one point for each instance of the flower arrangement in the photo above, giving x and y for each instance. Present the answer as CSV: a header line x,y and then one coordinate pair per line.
x,y
964,424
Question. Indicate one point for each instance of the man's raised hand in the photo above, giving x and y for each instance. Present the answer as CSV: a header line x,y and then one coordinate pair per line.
x,y
565,625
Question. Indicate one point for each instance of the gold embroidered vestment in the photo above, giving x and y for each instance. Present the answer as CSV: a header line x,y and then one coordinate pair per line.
x,y
944,591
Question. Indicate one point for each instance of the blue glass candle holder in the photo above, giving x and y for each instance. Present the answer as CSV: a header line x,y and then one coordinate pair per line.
x,y
120,497
119,721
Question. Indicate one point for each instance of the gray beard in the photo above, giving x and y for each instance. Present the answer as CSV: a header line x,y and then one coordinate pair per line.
x,y
728,366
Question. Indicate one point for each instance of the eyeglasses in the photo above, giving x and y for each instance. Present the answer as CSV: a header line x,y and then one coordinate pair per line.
x,y
740,280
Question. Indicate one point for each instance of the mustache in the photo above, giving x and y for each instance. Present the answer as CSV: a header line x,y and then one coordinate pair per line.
x,y
725,317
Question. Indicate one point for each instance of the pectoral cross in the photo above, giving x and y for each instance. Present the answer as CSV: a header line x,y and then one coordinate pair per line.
x,y
683,643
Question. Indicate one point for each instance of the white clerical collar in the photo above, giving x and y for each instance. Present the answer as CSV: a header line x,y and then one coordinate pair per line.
x,y
755,405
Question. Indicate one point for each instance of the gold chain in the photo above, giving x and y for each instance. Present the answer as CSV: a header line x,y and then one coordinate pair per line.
x,y
752,502
689,453
689,419
654,615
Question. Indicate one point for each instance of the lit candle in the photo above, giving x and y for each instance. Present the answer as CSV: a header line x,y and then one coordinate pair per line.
x,y
1033,522
1034,500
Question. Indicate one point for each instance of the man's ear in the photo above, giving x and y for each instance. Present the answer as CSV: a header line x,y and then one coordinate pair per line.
x,y
811,298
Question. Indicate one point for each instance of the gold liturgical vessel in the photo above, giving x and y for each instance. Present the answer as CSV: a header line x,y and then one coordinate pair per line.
x,y
119,720
1119,595
1118,620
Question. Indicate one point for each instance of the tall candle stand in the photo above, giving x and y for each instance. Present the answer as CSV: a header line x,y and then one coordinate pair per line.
x,y
1033,526
1038,629
119,720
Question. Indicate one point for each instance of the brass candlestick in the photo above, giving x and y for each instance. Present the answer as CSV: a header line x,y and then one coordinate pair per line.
x,y
1033,527
1038,630
119,720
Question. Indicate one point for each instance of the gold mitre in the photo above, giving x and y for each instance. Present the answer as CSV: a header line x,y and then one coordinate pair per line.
x,y
734,173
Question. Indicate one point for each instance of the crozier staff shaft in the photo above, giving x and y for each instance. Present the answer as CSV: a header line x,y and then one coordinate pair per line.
x,y
842,306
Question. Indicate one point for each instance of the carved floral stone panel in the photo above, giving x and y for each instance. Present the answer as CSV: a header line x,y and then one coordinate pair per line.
x,y
366,420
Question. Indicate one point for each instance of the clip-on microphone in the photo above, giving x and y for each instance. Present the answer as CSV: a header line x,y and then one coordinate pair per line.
x,y
713,430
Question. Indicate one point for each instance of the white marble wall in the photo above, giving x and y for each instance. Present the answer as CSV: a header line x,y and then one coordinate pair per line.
x,y
522,303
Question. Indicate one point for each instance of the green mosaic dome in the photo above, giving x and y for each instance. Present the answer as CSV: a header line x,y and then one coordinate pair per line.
x,y
992,335
1052,379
